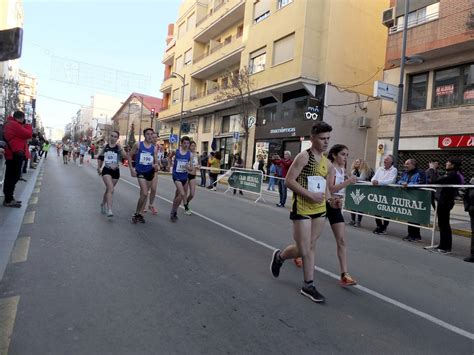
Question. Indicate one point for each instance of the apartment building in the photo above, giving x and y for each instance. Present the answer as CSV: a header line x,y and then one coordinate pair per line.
x,y
141,111
28,90
438,103
307,60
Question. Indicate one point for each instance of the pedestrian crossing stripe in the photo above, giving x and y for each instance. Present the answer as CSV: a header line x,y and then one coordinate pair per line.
x,y
29,217
8,309
20,250
34,200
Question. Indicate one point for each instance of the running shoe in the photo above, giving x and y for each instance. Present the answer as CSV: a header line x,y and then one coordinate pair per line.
x,y
110,213
153,210
275,265
103,210
347,280
140,218
298,262
312,294
187,210
174,216
135,218
352,223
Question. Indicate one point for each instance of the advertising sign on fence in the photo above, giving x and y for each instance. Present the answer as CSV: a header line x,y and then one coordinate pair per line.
x,y
406,205
246,180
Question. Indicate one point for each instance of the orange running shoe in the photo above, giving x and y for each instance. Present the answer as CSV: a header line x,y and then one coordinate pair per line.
x,y
347,280
153,210
298,262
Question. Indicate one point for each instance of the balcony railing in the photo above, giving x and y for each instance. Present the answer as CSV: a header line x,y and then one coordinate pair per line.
x,y
414,22
216,48
212,11
207,92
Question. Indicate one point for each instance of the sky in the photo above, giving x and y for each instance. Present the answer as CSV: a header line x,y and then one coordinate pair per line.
x,y
103,36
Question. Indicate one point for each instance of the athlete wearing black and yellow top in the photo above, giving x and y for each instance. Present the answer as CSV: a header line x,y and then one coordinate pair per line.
x,y
302,206
307,178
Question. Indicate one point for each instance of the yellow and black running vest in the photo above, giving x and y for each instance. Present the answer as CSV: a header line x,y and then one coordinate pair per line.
x,y
302,205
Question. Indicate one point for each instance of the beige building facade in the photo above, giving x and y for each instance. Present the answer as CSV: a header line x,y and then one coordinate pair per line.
x,y
307,60
438,103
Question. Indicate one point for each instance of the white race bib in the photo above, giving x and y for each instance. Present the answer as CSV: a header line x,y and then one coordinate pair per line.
x,y
110,158
316,184
146,158
181,166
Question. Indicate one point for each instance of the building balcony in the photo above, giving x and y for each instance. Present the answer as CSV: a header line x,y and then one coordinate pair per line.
x,y
218,59
221,17
166,85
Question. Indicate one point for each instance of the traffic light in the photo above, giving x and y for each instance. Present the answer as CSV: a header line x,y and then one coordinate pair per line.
x,y
152,113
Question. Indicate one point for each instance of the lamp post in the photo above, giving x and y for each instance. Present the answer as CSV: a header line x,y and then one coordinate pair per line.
x,y
183,81
128,123
398,115
141,117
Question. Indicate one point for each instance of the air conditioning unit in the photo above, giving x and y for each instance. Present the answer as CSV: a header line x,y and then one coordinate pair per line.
x,y
388,17
364,122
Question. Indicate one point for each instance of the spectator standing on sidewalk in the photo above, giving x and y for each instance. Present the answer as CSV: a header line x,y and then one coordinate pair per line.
x,y
432,174
361,170
45,148
16,134
412,176
215,165
204,158
92,150
386,174
445,198
284,165
271,180
469,208
238,163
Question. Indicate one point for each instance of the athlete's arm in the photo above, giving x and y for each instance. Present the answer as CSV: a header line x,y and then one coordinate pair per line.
x,y
100,160
156,166
331,181
295,170
131,154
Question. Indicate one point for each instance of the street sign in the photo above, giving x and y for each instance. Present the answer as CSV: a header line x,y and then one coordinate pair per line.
x,y
385,91
251,121
173,138
236,136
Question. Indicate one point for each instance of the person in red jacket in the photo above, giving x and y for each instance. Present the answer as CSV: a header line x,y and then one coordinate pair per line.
x,y
16,134
283,164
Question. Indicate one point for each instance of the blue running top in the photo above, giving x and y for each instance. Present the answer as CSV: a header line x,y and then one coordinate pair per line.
x,y
144,158
179,166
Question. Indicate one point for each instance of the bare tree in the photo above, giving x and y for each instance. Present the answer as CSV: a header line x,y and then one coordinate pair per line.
x,y
10,89
237,87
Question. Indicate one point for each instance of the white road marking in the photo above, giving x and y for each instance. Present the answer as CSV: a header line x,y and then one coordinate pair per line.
x,y
376,294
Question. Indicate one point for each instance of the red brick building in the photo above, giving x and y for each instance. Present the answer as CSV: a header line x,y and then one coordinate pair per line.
x,y
438,102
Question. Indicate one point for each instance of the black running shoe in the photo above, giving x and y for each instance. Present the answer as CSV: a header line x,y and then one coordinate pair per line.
x,y
312,294
275,265
174,216
140,218
135,219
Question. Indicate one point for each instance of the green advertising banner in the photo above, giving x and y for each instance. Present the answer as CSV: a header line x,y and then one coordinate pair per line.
x,y
405,205
246,180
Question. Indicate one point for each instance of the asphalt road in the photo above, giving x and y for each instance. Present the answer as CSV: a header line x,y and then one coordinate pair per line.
x,y
93,285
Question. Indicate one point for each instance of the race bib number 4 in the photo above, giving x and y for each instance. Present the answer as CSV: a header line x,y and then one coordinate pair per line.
x,y
181,166
110,158
145,158
316,184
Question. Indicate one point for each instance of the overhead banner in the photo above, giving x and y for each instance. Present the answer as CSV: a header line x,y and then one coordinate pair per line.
x,y
405,205
246,180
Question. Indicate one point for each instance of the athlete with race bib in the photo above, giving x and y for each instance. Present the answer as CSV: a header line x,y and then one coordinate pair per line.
x,y
146,164
181,168
108,165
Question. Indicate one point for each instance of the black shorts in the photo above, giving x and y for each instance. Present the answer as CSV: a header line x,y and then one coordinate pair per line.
x,y
298,217
180,180
114,173
191,177
148,176
334,215
65,152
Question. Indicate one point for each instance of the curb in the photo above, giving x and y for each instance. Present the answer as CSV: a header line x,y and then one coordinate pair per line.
x,y
462,233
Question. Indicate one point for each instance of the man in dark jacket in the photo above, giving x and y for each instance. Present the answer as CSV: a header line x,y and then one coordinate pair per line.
x,y
16,134
469,207
445,198
412,176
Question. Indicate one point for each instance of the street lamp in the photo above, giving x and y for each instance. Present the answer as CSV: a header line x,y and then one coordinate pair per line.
x,y
183,81
403,60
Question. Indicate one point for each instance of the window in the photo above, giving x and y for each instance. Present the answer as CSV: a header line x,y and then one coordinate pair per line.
x,y
191,23
283,3
261,10
468,85
224,83
240,31
257,61
176,95
179,63
270,114
181,30
207,122
417,17
283,49
225,127
417,92
188,57
227,40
